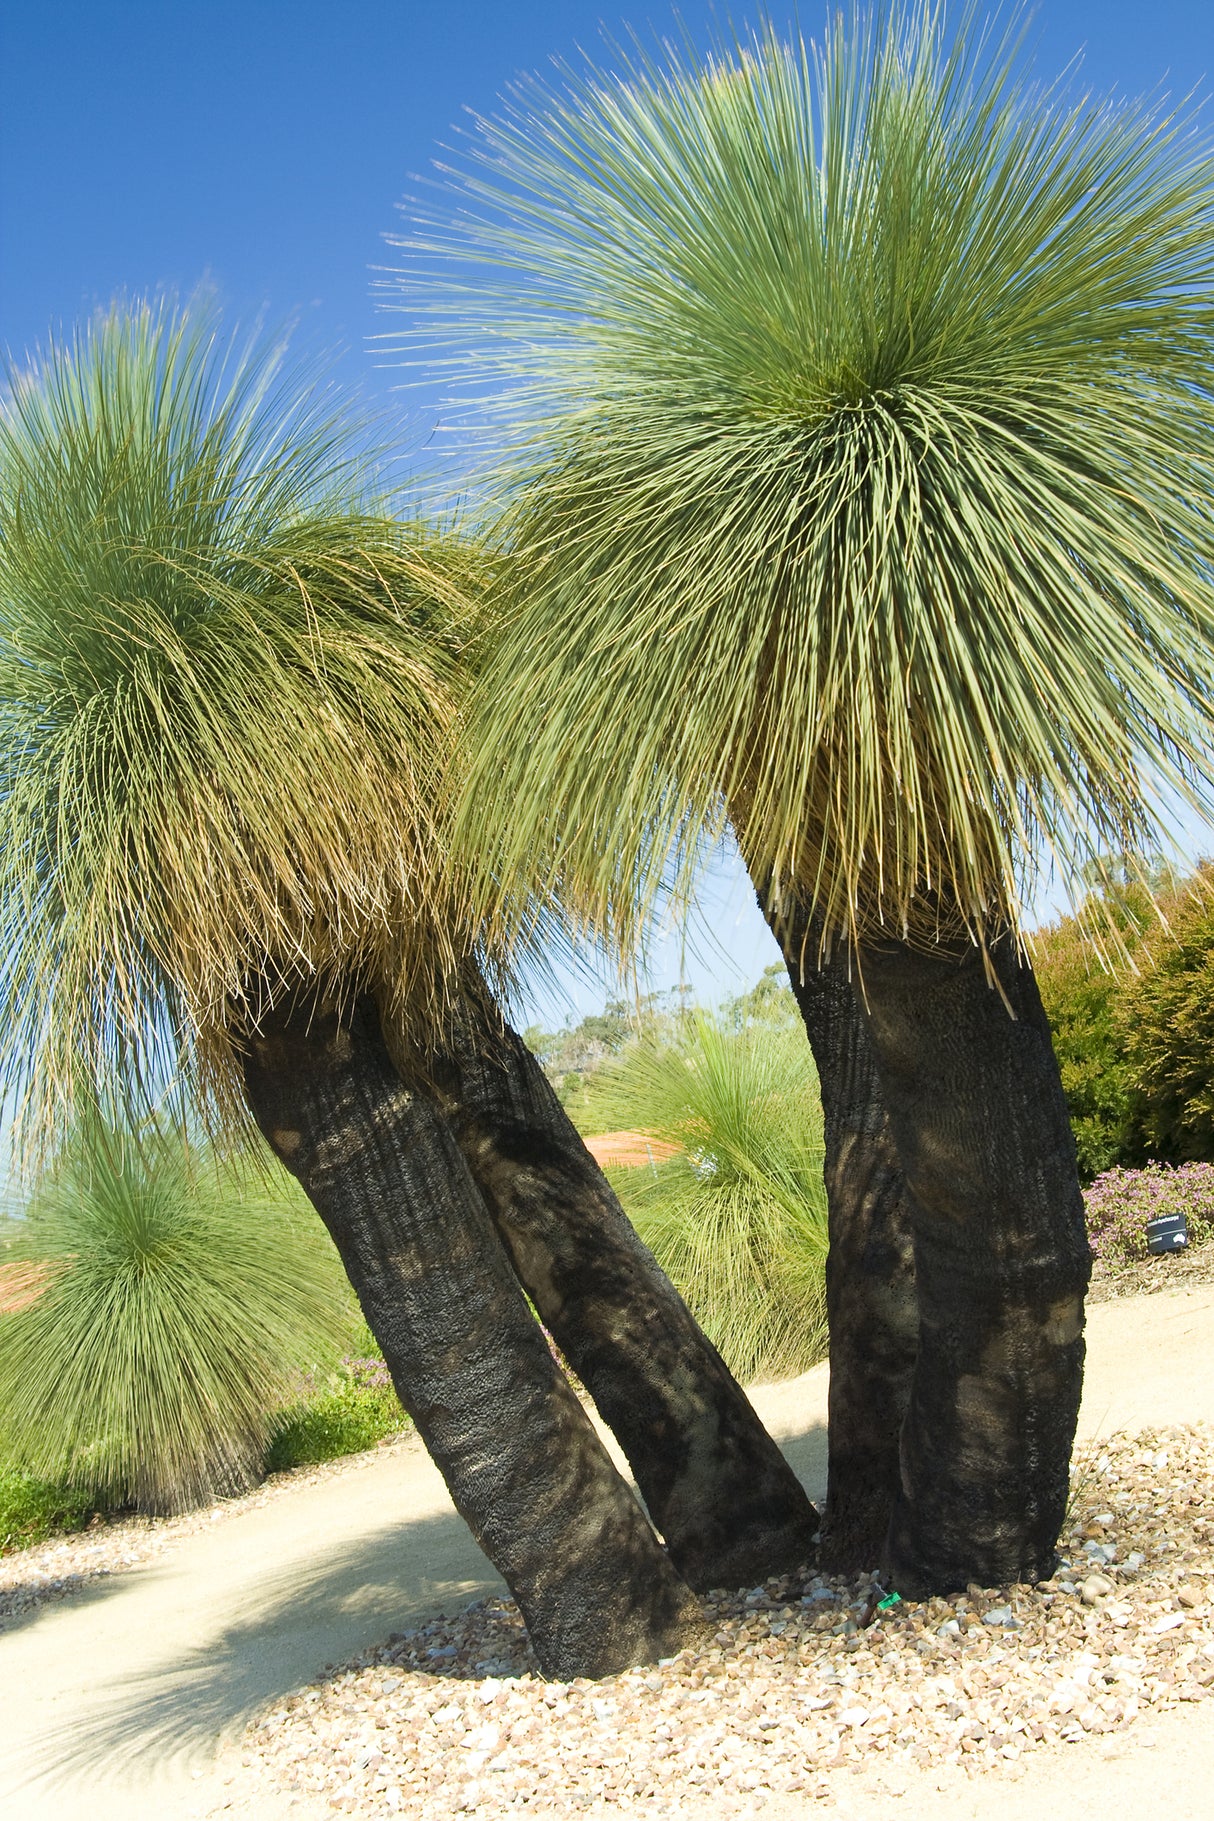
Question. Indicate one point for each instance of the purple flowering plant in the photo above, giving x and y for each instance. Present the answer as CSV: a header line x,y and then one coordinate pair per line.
x,y
1120,1202
367,1372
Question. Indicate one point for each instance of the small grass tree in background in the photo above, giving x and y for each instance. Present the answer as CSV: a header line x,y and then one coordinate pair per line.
x,y
181,1300
737,1218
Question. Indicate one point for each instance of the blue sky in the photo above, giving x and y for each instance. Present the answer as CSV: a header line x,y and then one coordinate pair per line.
x,y
264,146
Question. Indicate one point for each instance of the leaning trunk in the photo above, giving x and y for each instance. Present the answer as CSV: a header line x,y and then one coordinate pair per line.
x,y
975,1104
872,1312
520,1457
717,1487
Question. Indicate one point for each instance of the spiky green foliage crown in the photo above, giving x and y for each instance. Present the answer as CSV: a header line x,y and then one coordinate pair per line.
x,y
224,705
856,410
177,1304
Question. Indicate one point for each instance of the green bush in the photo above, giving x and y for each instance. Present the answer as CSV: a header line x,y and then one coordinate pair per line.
x,y
737,1217
1105,980
1082,998
1168,1024
182,1301
32,1510
358,1409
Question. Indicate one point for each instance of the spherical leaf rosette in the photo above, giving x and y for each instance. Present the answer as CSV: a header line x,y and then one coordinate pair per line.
x,y
178,1301
853,441
225,705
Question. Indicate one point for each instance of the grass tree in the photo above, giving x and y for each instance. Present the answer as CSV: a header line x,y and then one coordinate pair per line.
x,y
734,1208
178,1303
225,698
855,453
228,697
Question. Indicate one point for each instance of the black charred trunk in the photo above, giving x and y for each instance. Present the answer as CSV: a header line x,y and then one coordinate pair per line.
x,y
469,1362
872,1311
1001,1265
730,1508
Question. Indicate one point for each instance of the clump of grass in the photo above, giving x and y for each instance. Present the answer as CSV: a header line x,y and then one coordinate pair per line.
x,y
32,1509
181,1301
737,1218
357,1408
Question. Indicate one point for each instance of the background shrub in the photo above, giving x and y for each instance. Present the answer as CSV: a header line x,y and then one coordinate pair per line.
x,y
1082,1002
1167,1017
354,1409
1134,1036
1120,1202
31,1509
737,1217
182,1300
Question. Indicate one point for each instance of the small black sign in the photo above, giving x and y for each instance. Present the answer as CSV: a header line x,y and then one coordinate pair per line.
x,y
1167,1233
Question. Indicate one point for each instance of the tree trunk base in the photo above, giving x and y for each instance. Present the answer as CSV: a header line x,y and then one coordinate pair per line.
x,y
730,1508
1001,1265
519,1456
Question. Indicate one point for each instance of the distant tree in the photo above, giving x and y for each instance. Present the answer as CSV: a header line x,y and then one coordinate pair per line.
x,y
1084,966
573,1057
770,1001
1167,1025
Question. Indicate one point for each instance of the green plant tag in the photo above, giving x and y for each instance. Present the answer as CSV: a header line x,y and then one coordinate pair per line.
x,y
889,1602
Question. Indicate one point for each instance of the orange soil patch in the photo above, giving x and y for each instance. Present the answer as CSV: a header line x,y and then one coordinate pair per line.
x,y
20,1285
629,1149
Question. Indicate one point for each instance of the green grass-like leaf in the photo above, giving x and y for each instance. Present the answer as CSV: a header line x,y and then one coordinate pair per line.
x,y
225,707
855,456
738,1219
181,1301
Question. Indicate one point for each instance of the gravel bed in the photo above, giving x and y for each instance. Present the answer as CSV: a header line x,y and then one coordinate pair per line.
x,y
64,1565
788,1691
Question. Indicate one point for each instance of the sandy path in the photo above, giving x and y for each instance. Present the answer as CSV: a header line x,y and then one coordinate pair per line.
x,y
125,1700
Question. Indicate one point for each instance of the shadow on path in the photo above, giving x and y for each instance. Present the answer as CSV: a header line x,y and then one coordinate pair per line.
x,y
296,1626
84,1590
805,1453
